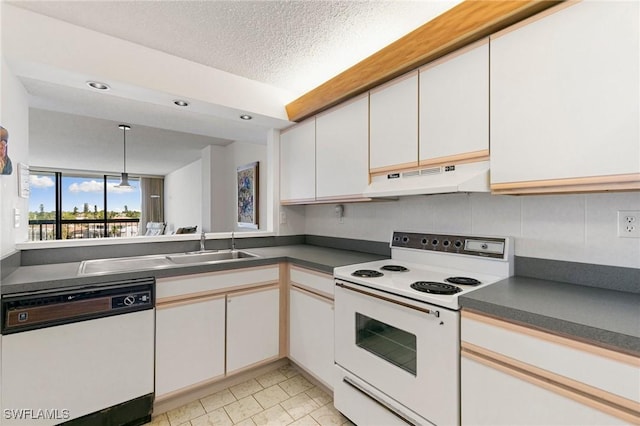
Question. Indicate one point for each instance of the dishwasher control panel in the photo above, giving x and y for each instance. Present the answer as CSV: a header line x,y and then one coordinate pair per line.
x,y
133,299
30,311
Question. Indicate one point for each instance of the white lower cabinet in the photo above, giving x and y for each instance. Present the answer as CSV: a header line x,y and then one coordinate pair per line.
x,y
515,375
492,397
311,323
211,325
190,344
311,333
253,326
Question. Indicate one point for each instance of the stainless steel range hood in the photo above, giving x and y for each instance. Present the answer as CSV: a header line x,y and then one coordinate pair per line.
x,y
472,177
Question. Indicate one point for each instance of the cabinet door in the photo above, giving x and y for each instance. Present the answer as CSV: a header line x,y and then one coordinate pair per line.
x,y
394,125
491,397
253,327
565,97
342,150
189,343
311,334
454,107
298,163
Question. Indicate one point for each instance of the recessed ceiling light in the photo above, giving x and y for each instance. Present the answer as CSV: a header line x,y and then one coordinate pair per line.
x,y
246,117
181,103
97,85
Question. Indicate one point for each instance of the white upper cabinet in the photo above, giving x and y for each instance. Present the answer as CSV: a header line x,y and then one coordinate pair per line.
x,y
454,107
298,163
565,100
394,125
342,150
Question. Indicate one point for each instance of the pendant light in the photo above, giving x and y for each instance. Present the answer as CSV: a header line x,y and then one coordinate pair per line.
x,y
124,180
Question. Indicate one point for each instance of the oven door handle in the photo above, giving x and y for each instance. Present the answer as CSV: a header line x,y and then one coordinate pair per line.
x,y
383,404
433,312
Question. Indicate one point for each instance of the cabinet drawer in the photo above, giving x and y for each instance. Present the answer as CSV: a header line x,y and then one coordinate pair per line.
x,y
198,284
311,280
514,401
610,371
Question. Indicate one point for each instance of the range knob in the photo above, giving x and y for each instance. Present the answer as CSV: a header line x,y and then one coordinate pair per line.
x,y
434,242
405,239
424,241
129,300
458,243
446,243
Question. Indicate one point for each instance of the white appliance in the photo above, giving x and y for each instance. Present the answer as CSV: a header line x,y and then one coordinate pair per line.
x,y
397,326
84,355
469,177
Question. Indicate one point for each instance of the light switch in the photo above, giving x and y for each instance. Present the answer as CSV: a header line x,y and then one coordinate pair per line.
x,y
16,218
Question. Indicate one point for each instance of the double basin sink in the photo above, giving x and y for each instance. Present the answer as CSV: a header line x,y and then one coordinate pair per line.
x,y
137,263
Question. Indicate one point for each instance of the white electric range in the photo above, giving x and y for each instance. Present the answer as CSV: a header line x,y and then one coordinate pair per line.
x,y
397,326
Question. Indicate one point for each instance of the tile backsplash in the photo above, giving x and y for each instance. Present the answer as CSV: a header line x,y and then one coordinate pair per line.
x,y
578,228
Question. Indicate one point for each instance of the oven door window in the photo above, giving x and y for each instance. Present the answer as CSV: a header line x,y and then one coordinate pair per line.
x,y
387,342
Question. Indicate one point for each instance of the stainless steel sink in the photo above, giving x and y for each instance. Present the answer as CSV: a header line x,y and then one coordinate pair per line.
x,y
161,261
209,256
123,264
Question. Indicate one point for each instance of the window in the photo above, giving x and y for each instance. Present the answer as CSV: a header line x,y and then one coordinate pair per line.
x,y
42,206
69,206
387,342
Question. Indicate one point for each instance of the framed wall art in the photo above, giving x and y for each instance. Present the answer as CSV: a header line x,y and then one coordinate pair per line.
x,y
248,190
6,168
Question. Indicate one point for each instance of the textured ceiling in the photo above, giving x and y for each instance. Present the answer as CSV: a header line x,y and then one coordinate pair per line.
x,y
291,45
295,45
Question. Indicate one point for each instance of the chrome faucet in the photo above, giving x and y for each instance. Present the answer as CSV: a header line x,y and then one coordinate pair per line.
x,y
202,239
233,241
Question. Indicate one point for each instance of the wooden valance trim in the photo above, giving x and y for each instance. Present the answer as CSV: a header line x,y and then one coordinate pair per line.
x,y
466,23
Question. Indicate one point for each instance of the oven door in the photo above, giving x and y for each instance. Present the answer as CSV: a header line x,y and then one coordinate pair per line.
x,y
406,351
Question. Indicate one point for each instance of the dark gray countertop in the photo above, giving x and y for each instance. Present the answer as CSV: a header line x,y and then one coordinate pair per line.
x,y
607,318
65,275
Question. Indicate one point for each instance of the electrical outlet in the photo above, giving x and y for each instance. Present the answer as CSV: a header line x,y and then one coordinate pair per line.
x,y
283,218
629,223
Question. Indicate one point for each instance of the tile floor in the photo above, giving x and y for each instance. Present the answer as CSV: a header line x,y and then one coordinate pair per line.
x,y
279,397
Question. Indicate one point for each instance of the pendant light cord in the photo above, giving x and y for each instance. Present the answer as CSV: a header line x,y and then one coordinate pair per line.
x,y
124,156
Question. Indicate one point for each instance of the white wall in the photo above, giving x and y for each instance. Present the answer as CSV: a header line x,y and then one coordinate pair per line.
x,y
216,189
221,189
204,192
183,197
14,116
578,228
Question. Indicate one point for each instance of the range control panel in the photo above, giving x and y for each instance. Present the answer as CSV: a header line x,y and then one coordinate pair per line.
x,y
470,245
